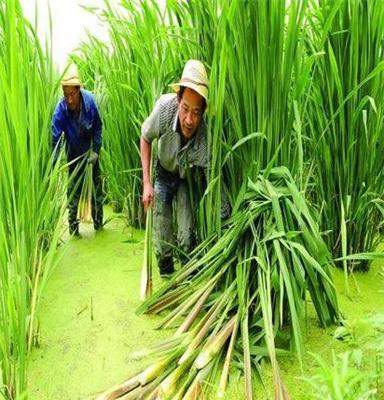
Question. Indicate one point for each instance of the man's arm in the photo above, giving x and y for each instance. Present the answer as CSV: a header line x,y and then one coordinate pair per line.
x,y
149,131
148,192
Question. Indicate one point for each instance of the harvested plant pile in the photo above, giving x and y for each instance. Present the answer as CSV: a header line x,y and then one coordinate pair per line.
x,y
238,295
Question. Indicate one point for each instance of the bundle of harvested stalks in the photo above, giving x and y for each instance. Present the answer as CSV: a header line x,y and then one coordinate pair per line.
x,y
84,210
239,292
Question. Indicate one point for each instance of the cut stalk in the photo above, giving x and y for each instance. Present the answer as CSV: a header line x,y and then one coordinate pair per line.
x,y
84,211
168,386
224,375
120,389
195,391
247,358
198,306
203,330
213,348
146,272
157,369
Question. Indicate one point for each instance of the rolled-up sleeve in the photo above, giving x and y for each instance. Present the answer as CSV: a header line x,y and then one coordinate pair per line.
x,y
150,129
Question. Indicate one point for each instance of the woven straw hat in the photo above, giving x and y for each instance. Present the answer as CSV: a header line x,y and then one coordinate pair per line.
x,y
194,77
71,77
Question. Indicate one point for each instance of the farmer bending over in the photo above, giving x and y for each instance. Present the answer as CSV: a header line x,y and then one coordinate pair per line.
x,y
77,121
178,124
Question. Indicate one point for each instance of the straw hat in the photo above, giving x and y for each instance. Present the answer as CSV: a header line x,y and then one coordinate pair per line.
x,y
194,77
71,77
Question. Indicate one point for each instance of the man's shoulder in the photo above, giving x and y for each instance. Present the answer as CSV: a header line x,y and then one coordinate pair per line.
x,y
60,108
89,101
167,109
88,97
87,94
167,99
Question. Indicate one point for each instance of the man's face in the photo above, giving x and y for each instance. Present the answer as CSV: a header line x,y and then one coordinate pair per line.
x,y
190,110
72,97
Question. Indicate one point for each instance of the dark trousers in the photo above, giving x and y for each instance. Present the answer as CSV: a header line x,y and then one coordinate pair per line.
x,y
167,193
76,176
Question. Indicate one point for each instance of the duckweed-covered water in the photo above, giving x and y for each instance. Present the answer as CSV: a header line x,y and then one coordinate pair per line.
x,y
89,329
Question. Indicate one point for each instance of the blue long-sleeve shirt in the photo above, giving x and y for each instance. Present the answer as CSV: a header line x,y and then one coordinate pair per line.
x,y
79,132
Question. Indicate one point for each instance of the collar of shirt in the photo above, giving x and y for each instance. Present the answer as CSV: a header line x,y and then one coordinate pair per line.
x,y
175,121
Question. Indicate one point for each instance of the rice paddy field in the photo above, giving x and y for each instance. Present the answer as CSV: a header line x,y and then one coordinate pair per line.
x,y
281,300
88,333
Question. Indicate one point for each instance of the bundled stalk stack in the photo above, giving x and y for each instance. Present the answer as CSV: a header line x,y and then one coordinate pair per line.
x,y
84,210
230,303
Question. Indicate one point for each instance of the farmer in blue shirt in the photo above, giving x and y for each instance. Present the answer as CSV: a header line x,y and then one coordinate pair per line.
x,y
76,121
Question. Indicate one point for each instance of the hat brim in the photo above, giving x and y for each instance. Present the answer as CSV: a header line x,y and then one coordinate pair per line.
x,y
71,82
201,90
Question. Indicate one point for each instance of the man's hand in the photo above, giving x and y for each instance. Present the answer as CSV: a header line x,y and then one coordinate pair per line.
x,y
92,158
148,195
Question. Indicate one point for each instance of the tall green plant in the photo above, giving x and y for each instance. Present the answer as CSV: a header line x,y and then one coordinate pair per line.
x,y
254,82
31,203
345,121
343,379
144,56
291,83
